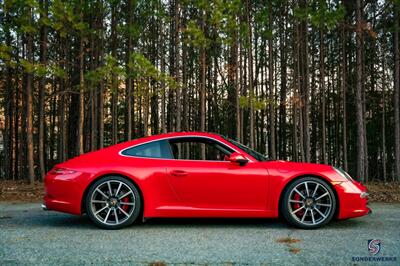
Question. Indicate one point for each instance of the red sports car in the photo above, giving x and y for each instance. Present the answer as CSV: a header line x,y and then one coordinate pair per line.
x,y
199,175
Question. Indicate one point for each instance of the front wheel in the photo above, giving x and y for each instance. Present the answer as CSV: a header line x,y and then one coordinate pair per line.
x,y
113,202
308,203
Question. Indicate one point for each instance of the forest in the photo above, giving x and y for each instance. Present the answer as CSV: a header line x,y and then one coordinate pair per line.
x,y
307,80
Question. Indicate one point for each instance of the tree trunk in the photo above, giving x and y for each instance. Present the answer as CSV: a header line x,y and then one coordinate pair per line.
x,y
81,89
62,143
359,94
42,84
236,84
283,88
176,67
344,99
384,113
233,98
295,93
323,95
114,79
94,63
271,88
9,110
163,90
250,65
202,85
397,93
305,94
128,98
185,120
28,111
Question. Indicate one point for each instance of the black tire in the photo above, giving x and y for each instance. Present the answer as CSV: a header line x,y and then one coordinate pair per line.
x,y
311,207
114,207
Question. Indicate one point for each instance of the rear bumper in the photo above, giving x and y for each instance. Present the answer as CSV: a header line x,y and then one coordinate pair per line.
x,y
63,193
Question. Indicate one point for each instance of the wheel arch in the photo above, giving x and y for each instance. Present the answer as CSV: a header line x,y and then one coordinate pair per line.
x,y
83,200
292,180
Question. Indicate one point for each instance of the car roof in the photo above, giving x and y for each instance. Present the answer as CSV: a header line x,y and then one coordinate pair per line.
x,y
177,134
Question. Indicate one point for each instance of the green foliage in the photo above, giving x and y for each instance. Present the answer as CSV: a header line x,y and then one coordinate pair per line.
x,y
326,17
139,68
27,66
66,19
6,55
262,23
55,70
195,36
142,69
109,70
321,14
258,104
220,15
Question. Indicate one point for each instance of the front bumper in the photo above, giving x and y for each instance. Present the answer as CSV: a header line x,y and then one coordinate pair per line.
x,y
353,200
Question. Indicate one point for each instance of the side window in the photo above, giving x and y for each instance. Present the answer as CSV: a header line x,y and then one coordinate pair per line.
x,y
156,149
199,149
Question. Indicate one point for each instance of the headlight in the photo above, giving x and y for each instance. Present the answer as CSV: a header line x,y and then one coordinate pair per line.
x,y
343,173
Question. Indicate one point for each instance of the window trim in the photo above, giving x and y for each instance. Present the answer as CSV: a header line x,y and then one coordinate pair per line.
x,y
234,148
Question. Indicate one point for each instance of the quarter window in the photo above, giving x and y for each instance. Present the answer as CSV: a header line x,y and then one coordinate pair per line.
x,y
156,149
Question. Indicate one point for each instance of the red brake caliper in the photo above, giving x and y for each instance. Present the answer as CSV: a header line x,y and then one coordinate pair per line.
x,y
125,207
297,205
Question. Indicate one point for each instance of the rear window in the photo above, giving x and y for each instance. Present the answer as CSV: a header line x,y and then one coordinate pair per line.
x,y
156,149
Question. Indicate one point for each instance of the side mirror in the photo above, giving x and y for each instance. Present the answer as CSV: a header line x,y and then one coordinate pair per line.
x,y
236,157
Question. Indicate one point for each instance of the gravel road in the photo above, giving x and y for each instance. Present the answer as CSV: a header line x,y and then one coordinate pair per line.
x,y
29,235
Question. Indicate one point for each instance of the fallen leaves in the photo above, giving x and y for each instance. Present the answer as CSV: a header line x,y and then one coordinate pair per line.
x,y
384,192
20,191
288,241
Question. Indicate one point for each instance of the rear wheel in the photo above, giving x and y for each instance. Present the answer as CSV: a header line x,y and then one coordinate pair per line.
x,y
113,202
308,203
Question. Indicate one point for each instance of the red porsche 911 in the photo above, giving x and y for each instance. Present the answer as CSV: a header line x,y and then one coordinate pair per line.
x,y
199,174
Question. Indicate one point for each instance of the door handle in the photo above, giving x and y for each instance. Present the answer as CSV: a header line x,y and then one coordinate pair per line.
x,y
178,173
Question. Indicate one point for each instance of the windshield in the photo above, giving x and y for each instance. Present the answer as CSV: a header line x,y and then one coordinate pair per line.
x,y
258,156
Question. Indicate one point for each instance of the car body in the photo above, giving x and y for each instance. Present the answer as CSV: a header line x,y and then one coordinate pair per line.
x,y
241,184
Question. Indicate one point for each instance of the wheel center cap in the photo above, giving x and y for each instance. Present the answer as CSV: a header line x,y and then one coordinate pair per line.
x,y
113,202
309,202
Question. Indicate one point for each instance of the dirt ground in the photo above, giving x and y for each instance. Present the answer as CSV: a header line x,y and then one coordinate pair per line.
x,y
381,192
20,191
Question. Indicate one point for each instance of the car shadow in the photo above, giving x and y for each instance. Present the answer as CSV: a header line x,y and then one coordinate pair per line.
x,y
60,220
214,223
348,223
83,222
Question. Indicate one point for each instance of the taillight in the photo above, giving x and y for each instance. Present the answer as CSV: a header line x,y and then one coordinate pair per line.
x,y
61,171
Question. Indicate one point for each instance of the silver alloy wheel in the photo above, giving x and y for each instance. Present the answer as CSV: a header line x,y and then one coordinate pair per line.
x,y
310,203
112,202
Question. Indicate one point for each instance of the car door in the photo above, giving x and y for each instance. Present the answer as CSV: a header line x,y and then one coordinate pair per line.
x,y
214,183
